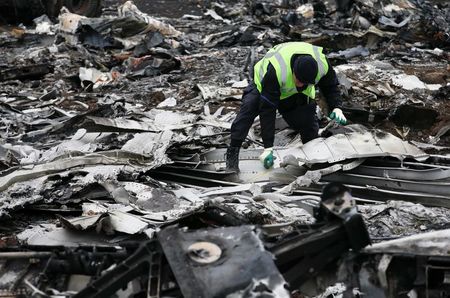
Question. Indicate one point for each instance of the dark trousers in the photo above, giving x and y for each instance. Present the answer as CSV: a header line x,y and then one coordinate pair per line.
x,y
301,115
296,111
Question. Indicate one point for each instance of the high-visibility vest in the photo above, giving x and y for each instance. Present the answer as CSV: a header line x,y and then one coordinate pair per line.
x,y
280,58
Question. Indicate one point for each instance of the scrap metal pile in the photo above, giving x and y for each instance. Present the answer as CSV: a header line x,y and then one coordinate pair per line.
x,y
113,135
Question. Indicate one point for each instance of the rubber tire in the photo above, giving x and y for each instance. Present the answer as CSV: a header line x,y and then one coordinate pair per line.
x,y
88,8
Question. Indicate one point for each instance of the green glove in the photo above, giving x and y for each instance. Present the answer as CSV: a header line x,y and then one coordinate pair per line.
x,y
338,115
267,158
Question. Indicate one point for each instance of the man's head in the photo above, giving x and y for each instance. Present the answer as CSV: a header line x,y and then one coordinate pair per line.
x,y
305,70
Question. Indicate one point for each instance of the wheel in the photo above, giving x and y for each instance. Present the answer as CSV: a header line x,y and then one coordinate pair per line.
x,y
89,8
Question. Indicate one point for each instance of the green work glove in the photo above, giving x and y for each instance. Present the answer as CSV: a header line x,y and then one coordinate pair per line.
x,y
338,115
267,158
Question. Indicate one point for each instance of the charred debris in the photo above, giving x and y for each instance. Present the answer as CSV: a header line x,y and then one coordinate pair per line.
x,y
113,132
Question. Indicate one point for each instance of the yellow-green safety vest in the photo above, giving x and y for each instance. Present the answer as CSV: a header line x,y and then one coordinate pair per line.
x,y
280,58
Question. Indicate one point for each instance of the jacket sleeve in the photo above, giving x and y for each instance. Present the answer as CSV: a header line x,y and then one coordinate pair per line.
x,y
270,97
328,85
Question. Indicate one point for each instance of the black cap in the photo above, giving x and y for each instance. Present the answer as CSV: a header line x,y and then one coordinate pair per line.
x,y
305,69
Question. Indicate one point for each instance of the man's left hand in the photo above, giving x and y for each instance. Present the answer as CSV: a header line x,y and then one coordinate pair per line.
x,y
338,115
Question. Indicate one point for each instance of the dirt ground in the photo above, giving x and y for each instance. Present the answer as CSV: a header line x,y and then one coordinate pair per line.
x,y
165,8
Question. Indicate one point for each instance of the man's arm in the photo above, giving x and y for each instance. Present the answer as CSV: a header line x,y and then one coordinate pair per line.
x,y
329,87
270,97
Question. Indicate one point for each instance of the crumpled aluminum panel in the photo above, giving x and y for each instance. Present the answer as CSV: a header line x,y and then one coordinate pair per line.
x,y
337,148
434,243
357,145
251,169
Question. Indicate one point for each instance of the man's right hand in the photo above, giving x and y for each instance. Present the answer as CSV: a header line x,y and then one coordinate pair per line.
x,y
267,158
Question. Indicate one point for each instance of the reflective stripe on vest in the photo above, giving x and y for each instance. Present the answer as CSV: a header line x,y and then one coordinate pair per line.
x,y
319,62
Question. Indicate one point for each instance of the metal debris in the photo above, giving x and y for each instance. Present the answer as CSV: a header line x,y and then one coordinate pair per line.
x,y
113,132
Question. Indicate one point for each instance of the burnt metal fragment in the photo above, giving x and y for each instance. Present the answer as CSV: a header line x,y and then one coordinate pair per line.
x,y
414,116
29,72
146,260
230,259
306,252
